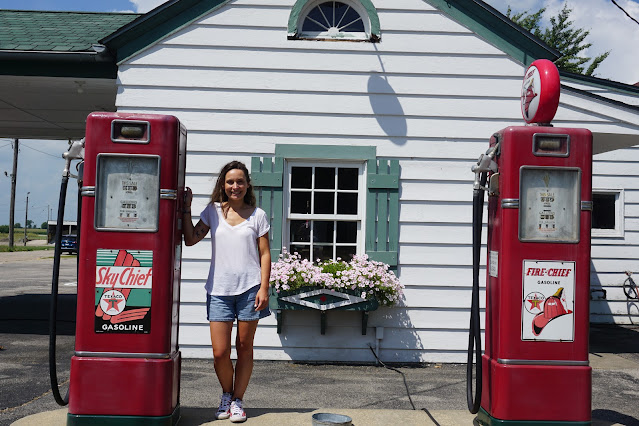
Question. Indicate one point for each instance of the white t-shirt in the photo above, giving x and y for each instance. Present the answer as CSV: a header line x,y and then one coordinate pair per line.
x,y
235,261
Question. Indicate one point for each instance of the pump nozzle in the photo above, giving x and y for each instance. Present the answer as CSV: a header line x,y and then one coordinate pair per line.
x,y
485,164
75,152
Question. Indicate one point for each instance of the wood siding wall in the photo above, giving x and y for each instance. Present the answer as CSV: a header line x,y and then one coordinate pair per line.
x,y
611,256
430,94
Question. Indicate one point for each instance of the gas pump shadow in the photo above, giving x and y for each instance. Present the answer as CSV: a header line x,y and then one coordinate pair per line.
x,y
610,417
29,314
612,338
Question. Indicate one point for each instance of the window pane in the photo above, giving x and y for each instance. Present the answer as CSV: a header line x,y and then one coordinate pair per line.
x,y
351,22
301,177
310,26
346,232
346,203
324,203
300,202
347,178
345,252
304,251
341,9
322,252
327,8
325,177
603,211
300,231
316,21
323,231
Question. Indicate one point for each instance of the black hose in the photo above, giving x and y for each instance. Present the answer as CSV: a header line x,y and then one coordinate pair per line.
x,y
53,307
474,334
397,371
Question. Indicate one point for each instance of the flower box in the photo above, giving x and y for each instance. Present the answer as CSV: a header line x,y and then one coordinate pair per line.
x,y
321,299
359,285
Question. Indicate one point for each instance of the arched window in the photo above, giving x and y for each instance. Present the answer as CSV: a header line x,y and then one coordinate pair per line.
x,y
334,20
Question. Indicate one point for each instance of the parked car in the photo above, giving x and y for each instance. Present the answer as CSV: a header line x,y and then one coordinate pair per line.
x,y
69,243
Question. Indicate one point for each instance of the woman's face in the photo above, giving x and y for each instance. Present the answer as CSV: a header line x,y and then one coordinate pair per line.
x,y
235,185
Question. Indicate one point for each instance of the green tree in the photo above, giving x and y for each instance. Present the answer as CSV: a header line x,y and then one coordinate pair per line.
x,y
17,225
44,225
561,35
30,224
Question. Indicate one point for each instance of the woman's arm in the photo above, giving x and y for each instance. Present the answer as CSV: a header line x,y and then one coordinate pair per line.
x,y
261,300
192,234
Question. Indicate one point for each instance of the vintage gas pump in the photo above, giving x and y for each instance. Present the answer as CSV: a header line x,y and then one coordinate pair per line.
x,y
535,367
126,367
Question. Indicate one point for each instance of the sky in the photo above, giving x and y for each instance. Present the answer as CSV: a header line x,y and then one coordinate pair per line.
x,y
610,29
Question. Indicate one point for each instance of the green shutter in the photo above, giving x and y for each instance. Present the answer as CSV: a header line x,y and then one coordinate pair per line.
x,y
382,200
382,210
266,178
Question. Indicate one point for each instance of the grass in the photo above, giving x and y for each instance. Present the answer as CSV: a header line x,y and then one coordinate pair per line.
x,y
5,248
18,237
18,234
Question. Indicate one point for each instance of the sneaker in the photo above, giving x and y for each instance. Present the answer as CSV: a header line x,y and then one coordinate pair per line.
x,y
237,412
224,410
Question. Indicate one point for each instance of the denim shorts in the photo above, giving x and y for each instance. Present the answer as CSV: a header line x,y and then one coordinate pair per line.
x,y
241,306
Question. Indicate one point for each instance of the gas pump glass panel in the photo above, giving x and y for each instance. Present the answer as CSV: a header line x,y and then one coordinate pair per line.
x,y
127,193
549,204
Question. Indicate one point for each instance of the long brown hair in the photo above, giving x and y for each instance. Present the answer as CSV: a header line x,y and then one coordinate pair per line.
x,y
219,195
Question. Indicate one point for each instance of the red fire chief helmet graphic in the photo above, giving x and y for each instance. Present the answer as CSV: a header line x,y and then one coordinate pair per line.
x,y
553,308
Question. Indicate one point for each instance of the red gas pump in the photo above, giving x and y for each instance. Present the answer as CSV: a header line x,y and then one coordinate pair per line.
x,y
126,367
535,367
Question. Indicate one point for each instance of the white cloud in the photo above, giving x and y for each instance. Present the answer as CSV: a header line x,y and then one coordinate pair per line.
x,y
610,29
143,6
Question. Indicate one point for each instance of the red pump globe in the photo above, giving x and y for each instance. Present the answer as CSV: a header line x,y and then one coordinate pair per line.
x,y
540,92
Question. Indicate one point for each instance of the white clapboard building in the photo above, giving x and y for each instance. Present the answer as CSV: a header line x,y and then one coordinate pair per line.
x,y
401,96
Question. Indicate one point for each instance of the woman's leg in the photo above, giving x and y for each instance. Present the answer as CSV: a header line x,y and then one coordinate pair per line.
x,y
221,343
244,348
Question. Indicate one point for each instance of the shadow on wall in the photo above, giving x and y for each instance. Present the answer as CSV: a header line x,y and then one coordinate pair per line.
x,y
631,291
388,111
603,294
598,299
343,341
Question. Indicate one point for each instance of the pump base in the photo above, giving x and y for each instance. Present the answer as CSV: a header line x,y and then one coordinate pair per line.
x,y
86,420
485,419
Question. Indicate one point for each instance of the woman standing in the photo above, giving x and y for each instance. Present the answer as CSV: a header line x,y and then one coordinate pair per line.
x,y
237,285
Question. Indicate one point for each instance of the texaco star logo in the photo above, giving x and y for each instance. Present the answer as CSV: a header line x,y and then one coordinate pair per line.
x,y
112,302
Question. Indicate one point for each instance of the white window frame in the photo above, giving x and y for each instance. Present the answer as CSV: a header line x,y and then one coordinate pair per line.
x,y
326,35
360,217
619,214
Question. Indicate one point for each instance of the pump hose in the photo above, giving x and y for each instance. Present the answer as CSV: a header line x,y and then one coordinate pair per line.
x,y
474,334
53,307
